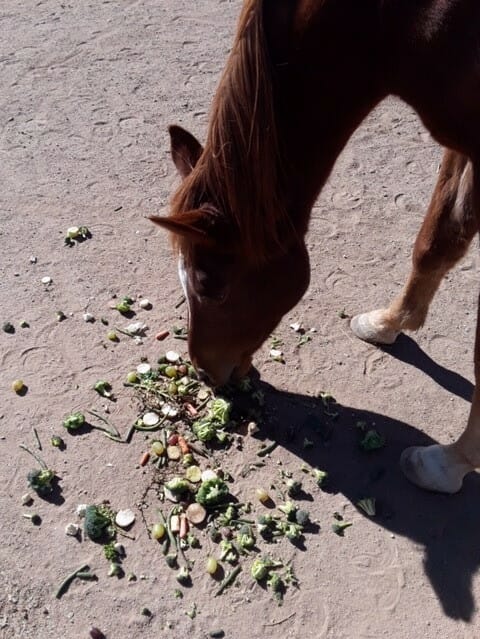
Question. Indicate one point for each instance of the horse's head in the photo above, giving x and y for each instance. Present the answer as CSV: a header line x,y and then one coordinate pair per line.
x,y
234,303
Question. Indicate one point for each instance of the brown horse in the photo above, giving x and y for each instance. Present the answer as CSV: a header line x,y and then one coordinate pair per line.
x,y
301,76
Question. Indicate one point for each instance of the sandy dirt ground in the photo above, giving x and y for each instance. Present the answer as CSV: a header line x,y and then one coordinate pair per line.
x,y
88,89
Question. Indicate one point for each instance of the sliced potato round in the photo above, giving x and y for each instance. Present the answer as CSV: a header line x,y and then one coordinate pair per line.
x,y
193,474
196,513
151,419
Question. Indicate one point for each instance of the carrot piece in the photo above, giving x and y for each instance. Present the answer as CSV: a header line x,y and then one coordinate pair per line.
x,y
183,526
183,445
144,459
191,410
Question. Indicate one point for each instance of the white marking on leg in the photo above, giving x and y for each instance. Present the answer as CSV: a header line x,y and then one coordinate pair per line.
x,y
463,192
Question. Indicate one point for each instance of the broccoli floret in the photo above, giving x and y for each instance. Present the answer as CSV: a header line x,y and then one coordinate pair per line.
x,y
320,476
204,429
177,486
228,552
291,530
293,487
261,567
245,538
275,583
289,509
372,441
219,410
368,506
98,523
74,421
183,576
212,492
225,518
302,517
110,552
104,388
41,481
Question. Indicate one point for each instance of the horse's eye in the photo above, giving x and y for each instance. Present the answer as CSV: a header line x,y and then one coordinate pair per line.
x,y
210,286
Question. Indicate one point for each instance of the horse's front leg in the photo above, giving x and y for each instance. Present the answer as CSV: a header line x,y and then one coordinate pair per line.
x,y
444,237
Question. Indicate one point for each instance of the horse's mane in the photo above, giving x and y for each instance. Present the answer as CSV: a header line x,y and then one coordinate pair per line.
x,y
240,170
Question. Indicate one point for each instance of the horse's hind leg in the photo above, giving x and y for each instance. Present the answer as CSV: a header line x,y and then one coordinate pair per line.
x,y
442,468
452,220
444,237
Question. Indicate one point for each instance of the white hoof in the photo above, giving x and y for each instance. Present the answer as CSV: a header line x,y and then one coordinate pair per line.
x,y
370,327
434,468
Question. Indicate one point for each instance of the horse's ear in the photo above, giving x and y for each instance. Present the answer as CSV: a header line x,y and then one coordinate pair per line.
x,y
185,148
191,225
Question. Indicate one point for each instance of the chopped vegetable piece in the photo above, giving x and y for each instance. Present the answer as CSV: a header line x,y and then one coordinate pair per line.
x,y
339,527
18,386
151,419
368,506
320,476
144,459
112,336
183,576
183,532
173,453
132,377
57,441
196,513
157,448
104,388
212,565
177,485
293,487
158,531
372,441
262,495
193,474
229,580
98,522
34,518
74,421
41,481
144,368
212,492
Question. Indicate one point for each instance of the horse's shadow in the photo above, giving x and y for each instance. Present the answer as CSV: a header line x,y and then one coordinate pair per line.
x,y
448,527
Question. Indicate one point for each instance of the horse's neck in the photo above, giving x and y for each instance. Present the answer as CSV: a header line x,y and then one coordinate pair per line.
x,y
328,68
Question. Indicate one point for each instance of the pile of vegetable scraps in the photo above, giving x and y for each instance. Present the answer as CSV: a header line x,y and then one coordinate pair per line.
x,y
192,430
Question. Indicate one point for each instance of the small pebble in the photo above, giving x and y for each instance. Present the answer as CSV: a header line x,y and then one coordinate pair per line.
x,y
80,510
8,327
125,518
72,530
145,304
95,633
27,499
33,259
46,280
136,328
88,317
